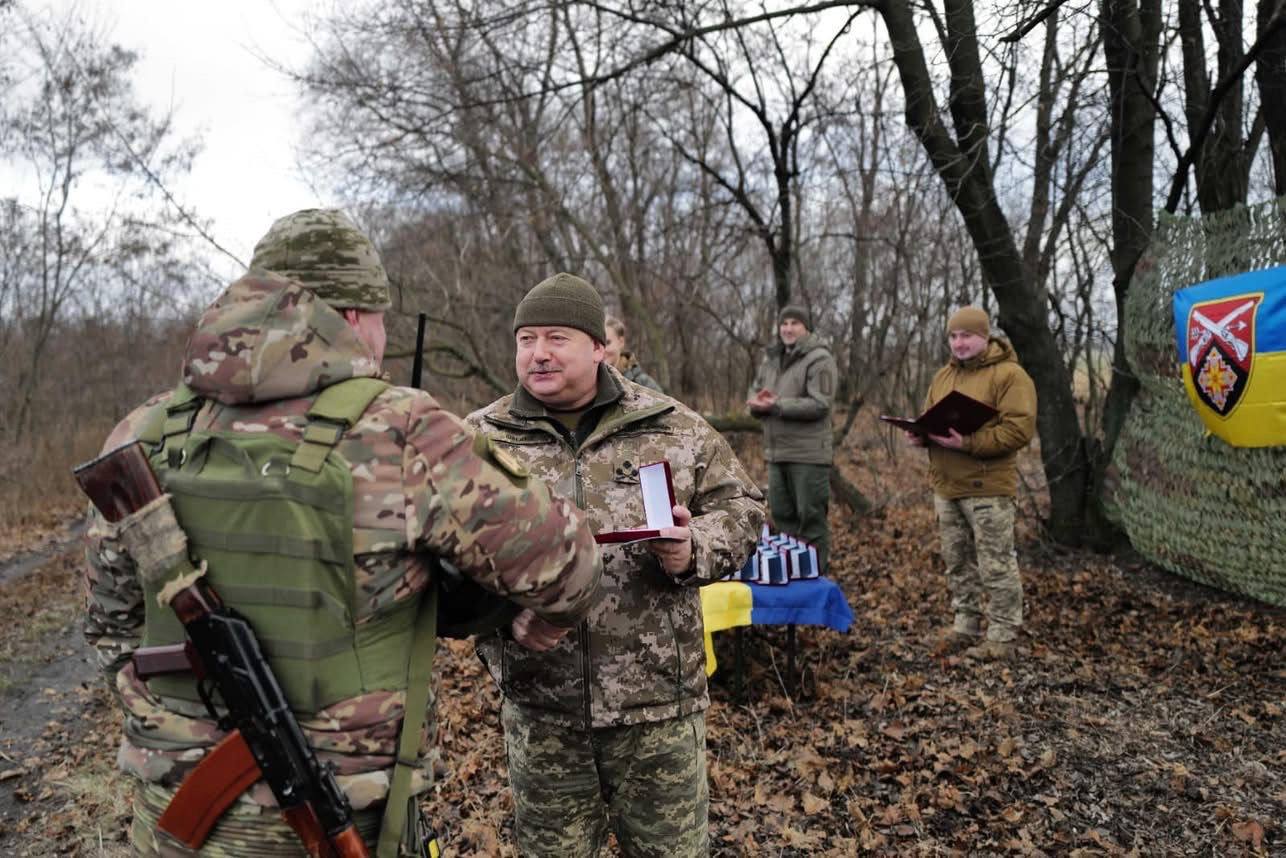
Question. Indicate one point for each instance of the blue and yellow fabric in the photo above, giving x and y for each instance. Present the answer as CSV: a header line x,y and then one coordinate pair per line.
x,y
1231,336
727,604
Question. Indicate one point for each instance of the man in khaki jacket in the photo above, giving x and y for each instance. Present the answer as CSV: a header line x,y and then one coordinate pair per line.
x,y
975,478
605,721
791,395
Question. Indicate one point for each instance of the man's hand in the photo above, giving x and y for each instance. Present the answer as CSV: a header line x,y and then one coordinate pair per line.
x,y
534,633
954,441
914,439
762,402
674,548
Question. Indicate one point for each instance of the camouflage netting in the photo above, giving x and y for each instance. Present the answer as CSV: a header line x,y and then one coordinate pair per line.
x,y
1190,502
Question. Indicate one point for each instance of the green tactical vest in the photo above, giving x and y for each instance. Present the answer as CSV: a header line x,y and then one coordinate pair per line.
x,y
274,522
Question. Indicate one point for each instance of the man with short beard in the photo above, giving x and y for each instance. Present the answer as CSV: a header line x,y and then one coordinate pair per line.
x,y
605,721
974,480
791,396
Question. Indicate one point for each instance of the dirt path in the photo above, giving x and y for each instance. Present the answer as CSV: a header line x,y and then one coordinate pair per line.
x,y
53,707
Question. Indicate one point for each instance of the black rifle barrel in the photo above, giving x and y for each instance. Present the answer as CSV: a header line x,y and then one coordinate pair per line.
x,y
417,365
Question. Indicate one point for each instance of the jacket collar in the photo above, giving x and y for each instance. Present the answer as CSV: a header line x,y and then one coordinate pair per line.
x,y
622,407
609,390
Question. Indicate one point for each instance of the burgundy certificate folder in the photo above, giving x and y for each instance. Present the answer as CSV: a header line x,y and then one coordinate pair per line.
x,y
658,504
955,411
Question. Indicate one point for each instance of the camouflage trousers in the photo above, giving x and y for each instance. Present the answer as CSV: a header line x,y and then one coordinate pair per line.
x,y
647,781
246,829
978,547
799,495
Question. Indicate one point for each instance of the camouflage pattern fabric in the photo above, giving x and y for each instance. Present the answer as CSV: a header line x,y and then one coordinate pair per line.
x,y
325,252
804,379
648,779
982,568
247,830
640,655
633,372
799,496
422,487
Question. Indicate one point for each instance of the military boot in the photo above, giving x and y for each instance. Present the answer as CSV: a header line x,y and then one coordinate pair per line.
x,y
952,641
991,651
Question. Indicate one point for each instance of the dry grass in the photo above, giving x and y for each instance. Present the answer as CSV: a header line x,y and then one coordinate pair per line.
x,y
37,492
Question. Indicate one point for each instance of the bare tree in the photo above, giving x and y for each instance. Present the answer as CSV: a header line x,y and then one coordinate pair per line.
x,y
73,117
1223,165
1270,74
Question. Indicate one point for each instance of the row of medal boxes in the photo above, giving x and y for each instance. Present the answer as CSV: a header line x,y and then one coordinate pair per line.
x,y
779,559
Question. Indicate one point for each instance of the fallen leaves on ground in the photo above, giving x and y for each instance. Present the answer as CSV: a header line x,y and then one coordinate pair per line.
x,y
1142,716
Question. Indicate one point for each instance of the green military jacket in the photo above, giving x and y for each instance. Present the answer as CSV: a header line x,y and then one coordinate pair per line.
x,y
639,656
421,488
799,428
987,464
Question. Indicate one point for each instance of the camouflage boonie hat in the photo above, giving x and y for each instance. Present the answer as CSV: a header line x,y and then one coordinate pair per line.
x,y
325,252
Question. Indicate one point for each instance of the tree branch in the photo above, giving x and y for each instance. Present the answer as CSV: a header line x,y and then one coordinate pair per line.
x,y
1224,86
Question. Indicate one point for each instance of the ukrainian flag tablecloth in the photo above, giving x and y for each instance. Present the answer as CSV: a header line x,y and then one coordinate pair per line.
x,y
814,602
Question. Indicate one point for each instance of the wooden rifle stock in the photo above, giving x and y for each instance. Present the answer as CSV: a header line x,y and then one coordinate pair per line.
x,y
119,482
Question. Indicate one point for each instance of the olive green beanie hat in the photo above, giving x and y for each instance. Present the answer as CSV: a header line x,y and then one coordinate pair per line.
x,y
563,299
971,319
796,312
325,252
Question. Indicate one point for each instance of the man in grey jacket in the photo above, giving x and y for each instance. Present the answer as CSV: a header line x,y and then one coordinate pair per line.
x,y
792,394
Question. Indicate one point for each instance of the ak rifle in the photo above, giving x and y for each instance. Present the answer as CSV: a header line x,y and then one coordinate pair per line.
x,y
264,739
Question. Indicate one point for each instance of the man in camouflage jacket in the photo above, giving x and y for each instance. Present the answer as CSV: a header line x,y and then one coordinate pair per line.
x,y
791,395
309,314
605,724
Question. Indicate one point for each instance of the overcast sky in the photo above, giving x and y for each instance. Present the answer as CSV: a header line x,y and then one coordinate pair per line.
x,y
201,58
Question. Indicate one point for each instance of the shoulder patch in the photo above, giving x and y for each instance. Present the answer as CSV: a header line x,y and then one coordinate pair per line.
x,y
485,448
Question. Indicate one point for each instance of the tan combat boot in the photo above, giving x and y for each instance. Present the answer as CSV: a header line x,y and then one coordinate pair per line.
x,y
991,651
952,641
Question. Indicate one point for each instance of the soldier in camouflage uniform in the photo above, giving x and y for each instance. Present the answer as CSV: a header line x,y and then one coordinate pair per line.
x,y
604,725
619,356
309,314
791,395
974,481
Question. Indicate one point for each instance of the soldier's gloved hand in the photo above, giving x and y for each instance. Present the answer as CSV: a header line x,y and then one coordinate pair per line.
x,y
157,544
534,633
674,548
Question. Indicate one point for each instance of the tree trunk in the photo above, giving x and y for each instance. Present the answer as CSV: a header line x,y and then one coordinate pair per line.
x,y
965,170
1131,42
1223,165
1270,74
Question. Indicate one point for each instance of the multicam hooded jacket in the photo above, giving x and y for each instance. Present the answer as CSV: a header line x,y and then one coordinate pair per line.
x,y
987,464
421,487
639,655
799,427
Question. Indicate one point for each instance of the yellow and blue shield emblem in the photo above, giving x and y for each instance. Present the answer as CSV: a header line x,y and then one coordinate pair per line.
x,y
1232,344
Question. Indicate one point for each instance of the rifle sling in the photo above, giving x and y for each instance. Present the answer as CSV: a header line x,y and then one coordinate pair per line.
x,y
419,671
209,790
